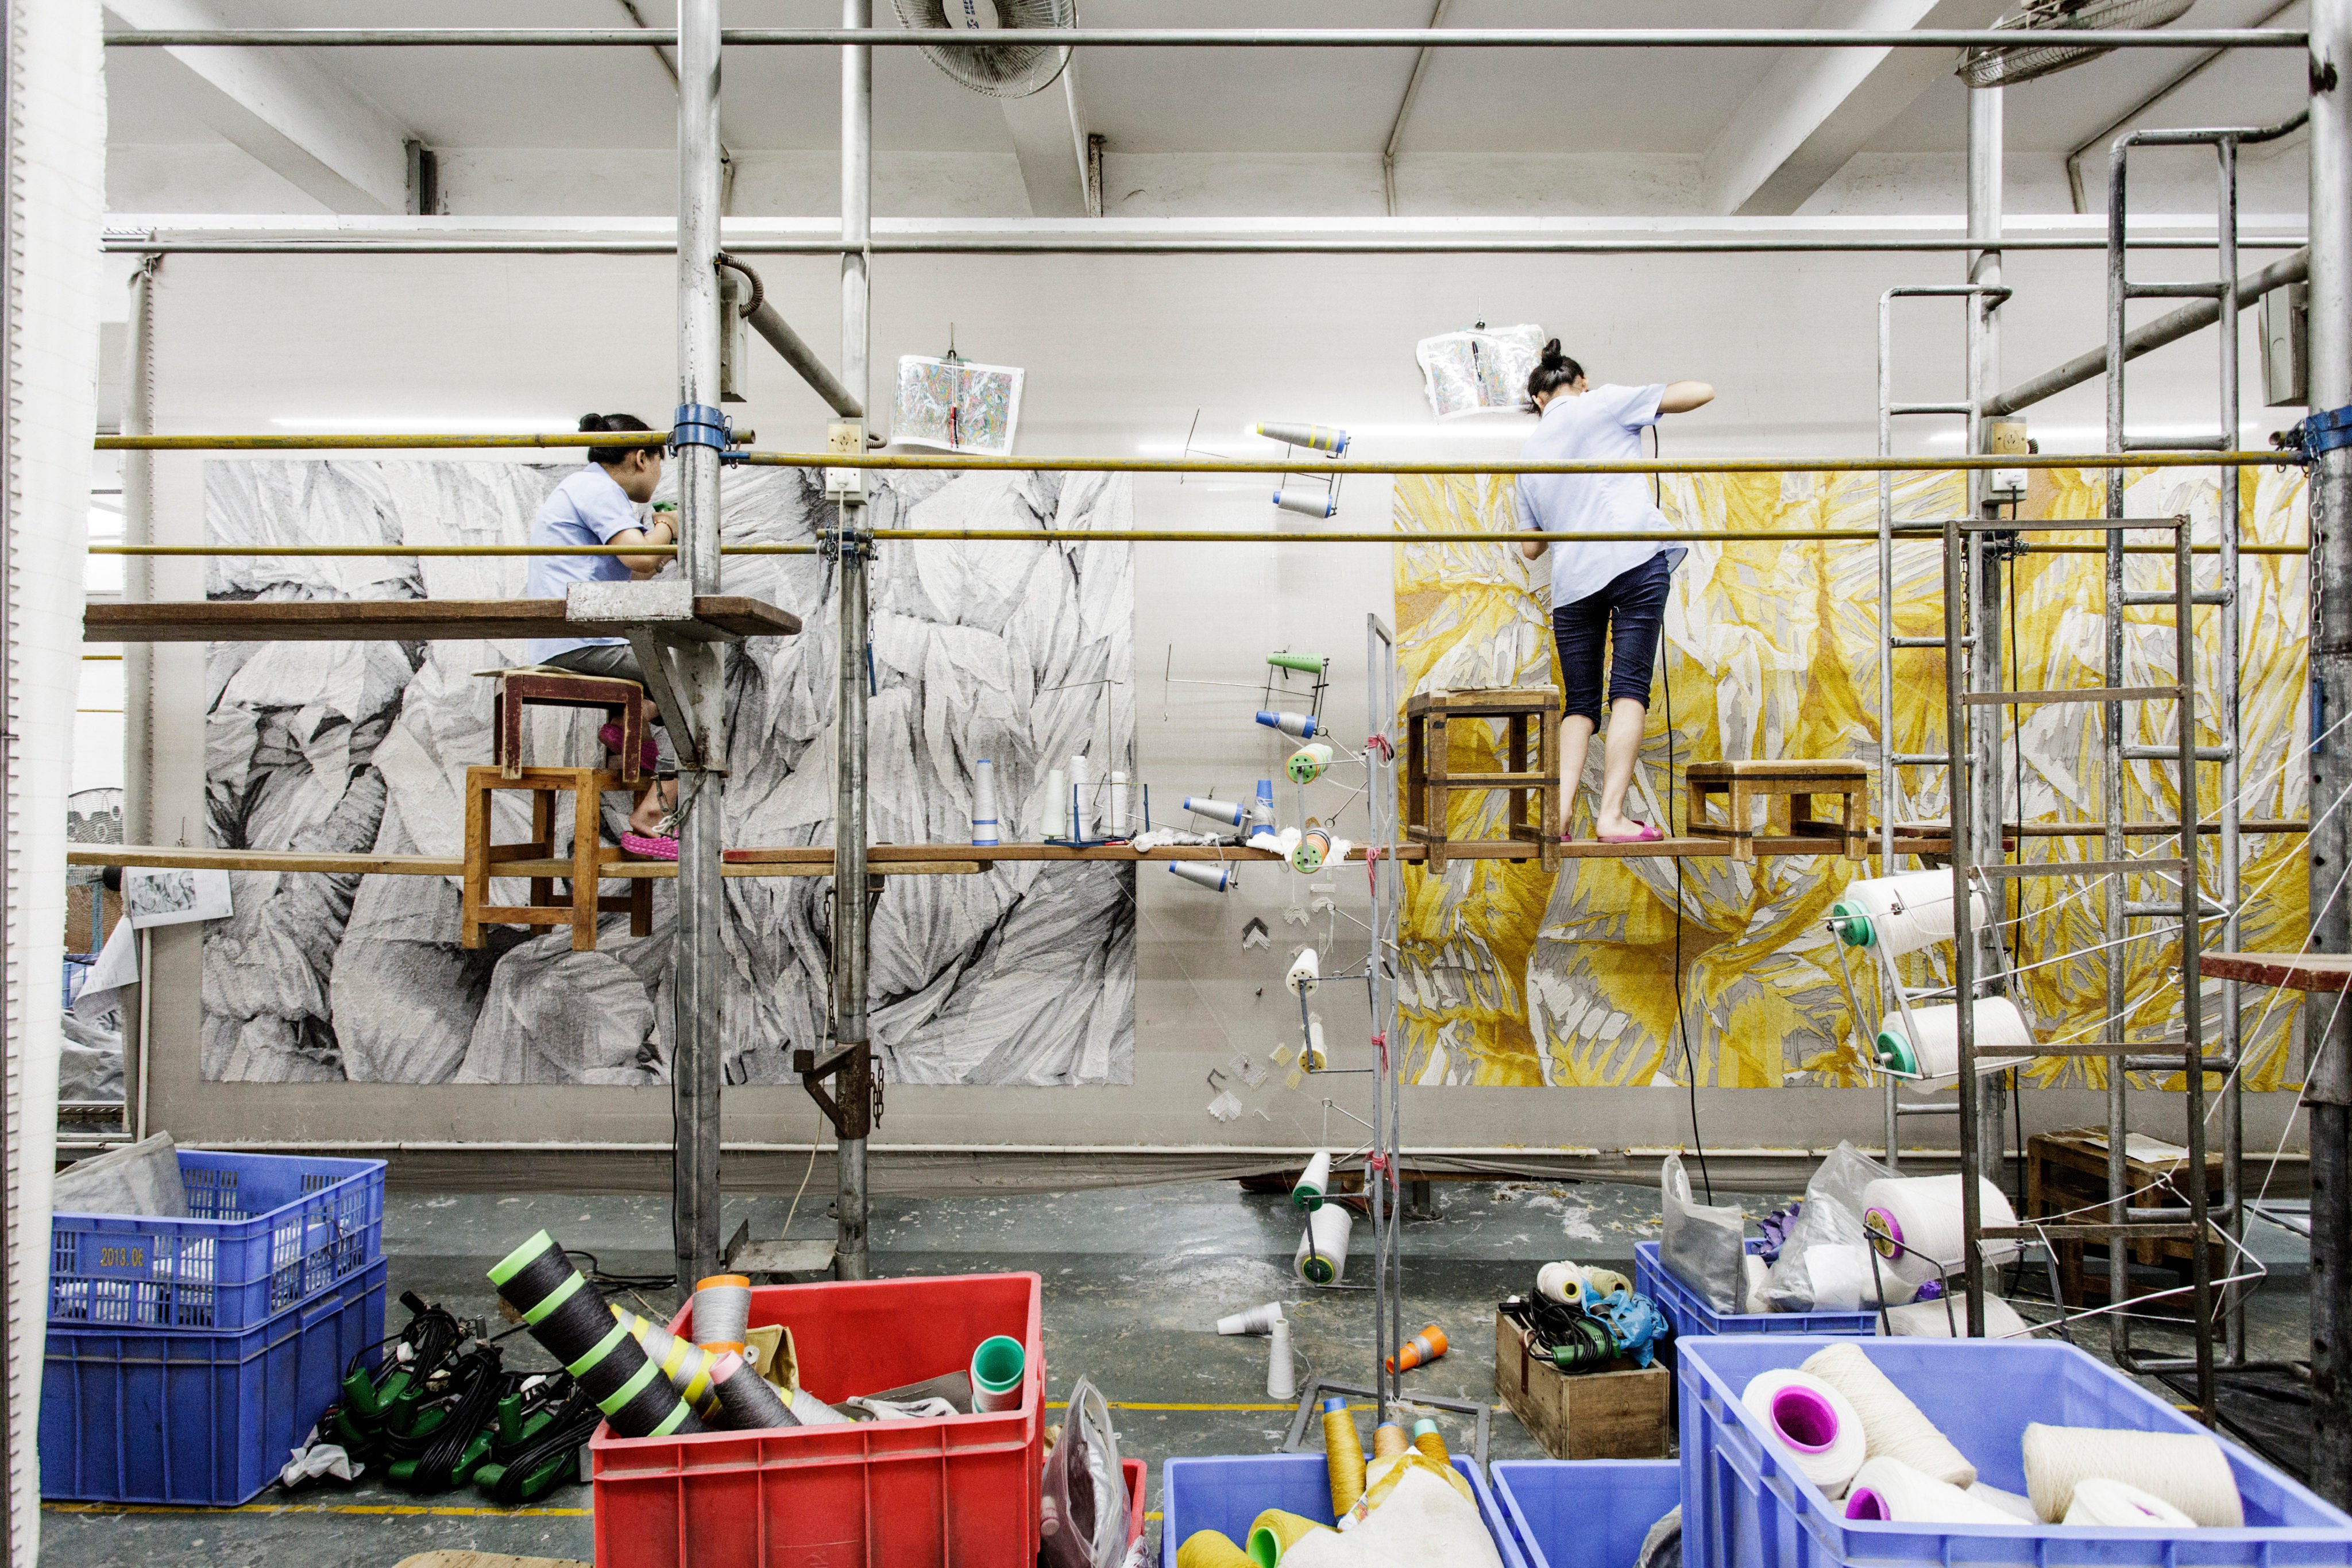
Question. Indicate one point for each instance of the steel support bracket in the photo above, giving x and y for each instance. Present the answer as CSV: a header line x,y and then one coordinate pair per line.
x,y
855,1111
700,425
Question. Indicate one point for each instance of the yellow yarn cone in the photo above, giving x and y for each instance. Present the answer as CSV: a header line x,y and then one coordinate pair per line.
x,y
1431,1441
1208,1549
1343,1452
1273,1532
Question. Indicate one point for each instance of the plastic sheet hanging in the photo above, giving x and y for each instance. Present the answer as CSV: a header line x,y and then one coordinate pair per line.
x,y
1703,1244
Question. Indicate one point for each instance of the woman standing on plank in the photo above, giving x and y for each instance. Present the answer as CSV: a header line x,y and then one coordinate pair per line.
x,y
1612,588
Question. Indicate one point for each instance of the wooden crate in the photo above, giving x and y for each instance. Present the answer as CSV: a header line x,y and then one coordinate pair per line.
x,y
1618,1414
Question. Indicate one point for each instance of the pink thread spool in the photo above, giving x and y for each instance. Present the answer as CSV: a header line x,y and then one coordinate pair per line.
x,y
1804,1420
1865,1504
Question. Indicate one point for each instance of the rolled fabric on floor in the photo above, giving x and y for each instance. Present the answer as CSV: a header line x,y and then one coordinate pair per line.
x,y
2188,1470
1935,1052
747,1402
1901,914
565,1314
1915,1224
1891,1425
1817,1427
1937,1319
1888,1490
2118,1505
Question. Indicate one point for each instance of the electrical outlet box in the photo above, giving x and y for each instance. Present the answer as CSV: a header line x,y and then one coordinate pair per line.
x,y
846,439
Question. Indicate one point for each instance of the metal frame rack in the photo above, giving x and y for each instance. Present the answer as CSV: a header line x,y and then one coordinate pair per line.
x,y
699,38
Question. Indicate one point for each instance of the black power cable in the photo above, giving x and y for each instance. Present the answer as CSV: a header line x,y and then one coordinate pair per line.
x,y
1682,1014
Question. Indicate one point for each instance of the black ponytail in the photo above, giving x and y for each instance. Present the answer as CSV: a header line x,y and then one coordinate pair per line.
x,y
1552,371
597,423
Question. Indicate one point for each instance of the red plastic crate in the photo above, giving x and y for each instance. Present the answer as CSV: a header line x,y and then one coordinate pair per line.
x,y
960,1492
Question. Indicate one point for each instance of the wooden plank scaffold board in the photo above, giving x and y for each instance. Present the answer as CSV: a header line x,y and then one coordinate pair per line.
x,y
718,617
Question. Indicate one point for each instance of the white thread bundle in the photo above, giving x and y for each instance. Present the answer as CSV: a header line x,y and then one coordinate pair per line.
x,y
1915,1224
1281,1376
1324,1262
722,1309
1758,1282
2185,1469
983,802
1057,824
1813,1424
2019,1509
1570,1283
1114,822
2118,1505
1888,1491
1902,914
1938,1320
1313,1182
1925,1042
1840,1277
1257,1321
1892,1425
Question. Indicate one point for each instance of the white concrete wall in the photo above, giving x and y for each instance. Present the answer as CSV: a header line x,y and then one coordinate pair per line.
x,y
1123,354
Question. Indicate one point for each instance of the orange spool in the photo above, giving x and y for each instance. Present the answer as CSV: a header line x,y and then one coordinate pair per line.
x,y
1420,1350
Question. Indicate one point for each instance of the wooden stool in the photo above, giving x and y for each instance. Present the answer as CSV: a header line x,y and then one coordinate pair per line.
x,y
1744,783
589,856
530,685
2066,1173
1530,749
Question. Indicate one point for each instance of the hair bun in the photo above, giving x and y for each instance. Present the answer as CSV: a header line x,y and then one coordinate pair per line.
x,y
1551,351
593,422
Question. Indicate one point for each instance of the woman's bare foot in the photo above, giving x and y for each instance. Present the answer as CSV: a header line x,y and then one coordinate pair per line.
x,y
654,808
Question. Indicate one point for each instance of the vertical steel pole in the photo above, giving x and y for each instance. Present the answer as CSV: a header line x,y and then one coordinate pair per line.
x,y
851,934
2329,1086
1891,798
137,657
2184,648
2111,771
1964,936
1985,794
2226,720
694,1073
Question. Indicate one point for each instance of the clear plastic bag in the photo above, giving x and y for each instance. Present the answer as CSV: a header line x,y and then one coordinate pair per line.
x,y
1703,1244
1832,1218
1085,1503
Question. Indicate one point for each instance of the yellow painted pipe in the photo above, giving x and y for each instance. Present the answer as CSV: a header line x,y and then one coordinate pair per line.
x,y
1159,536
355,441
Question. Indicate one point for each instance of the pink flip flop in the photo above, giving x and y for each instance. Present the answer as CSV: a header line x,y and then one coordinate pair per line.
x,y
1649,835
611,736
647,847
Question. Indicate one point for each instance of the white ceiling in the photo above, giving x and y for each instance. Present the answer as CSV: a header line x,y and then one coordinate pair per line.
x,y
1238,102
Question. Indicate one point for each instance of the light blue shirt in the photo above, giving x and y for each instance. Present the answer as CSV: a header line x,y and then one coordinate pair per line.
x,y
588,508
1602,424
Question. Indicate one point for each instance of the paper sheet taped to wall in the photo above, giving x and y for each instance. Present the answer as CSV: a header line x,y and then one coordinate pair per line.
x,y
956,406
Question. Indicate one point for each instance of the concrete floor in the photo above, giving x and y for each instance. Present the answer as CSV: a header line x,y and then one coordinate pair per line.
x,y
1134,1281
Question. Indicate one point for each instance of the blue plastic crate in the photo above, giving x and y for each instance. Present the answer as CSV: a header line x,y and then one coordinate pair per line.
x,y
1227,1494
271,1231
1691,1315
1743,1504
197,1419
1588,1513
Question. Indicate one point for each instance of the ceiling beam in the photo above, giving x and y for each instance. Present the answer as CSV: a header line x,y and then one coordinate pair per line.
x,y
1814,109
1049,134
284,110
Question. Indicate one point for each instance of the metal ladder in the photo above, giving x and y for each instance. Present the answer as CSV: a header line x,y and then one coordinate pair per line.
x,y
1891,763
2222,597
1965,554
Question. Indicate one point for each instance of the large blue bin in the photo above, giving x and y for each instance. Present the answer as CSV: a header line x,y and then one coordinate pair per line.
x,y
1691,1315
1227,1494
266,1232
1744,1505
142,1416
1586,1513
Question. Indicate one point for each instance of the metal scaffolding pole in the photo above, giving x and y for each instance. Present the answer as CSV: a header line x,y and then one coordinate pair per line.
x,y
2328,1081
851,907
1985,792
694,1073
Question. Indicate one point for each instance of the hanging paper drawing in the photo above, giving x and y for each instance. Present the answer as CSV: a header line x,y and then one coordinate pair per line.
x,y
1478,372
956,406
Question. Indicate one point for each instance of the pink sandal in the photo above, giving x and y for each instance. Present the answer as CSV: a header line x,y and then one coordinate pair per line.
x,y
611,736
649,846
1649,835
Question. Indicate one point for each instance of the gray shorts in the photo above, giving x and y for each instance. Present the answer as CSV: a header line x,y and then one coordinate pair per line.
x,y
618,661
